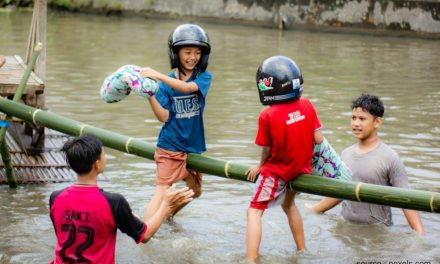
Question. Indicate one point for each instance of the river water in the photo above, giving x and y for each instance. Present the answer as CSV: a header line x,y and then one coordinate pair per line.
x,y
83,49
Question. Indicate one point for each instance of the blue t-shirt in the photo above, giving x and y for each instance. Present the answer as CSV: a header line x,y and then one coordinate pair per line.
x,y
184,130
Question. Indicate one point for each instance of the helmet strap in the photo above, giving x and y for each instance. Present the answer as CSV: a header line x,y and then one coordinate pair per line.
x,y
195,73
180,71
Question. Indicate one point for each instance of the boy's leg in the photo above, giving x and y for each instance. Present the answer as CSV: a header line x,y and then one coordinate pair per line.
x,y
269,192
194,182
170,168
253,233
294,218
155,202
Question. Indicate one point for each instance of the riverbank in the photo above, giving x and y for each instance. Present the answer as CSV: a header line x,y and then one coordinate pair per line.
x,y
413,18
416,18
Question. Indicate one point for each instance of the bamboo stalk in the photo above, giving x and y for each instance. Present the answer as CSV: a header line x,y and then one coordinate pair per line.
x,y
10,174
392,196
370,193
6,156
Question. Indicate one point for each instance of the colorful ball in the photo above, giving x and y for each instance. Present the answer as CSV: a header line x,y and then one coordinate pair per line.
x,y
119,84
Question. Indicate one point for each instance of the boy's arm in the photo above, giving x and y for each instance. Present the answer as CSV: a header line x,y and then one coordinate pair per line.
x,y
161,113
252,172
324,205
414,220
171,201
178,85
318,136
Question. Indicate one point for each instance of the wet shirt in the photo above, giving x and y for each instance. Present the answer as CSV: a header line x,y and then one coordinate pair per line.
x,y
184,130
288,128
86,220
381,166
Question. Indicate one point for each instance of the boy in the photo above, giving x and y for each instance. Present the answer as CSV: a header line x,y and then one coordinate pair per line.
x,y
179,104
86,218
287,132
371,161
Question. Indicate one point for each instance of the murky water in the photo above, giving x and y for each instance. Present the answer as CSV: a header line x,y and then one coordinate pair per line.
x,y
82,50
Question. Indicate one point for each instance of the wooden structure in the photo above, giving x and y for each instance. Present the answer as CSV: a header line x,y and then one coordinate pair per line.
x,y
35,153
10,75
31,136
12,72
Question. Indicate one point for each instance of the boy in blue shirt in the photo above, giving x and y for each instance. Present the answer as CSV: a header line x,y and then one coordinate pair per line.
x,y
179,104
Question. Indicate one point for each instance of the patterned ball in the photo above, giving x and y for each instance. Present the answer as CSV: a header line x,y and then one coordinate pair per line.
x,y
119,84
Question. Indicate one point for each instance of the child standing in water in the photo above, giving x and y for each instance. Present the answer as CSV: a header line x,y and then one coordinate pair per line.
x,y
86,218
372,161
287,132
179,104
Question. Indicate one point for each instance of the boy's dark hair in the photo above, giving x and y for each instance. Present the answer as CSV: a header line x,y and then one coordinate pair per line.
x,y
370,103
82,152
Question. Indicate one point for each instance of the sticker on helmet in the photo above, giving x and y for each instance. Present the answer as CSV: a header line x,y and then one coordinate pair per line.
x,y
296,84
286,84
265,84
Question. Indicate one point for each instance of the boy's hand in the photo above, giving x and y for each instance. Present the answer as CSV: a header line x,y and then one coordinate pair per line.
x,y
253,172
174,199
150,73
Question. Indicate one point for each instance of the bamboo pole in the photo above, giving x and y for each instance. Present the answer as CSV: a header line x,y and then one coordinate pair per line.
x,y
369,193
37,34
6,156
392,196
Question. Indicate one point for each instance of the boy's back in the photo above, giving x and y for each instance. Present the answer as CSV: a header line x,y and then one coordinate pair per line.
x,y
288,128
287,131
85,219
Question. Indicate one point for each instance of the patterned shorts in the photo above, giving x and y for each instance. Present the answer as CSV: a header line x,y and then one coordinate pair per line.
x,y
269,192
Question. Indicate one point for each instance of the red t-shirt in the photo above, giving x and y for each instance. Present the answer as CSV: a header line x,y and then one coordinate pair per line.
x,y
86,220
288,128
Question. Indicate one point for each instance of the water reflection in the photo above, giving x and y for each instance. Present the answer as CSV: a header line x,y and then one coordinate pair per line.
x,y
83,49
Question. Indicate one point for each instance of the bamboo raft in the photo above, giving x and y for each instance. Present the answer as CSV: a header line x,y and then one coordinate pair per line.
x,y
34,152
355,191
49,166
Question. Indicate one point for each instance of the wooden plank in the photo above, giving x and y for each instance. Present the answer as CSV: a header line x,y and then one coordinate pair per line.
x,y
10,76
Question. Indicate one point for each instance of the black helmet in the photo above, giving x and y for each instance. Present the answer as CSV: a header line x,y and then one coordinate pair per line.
x,y
278,80
189,35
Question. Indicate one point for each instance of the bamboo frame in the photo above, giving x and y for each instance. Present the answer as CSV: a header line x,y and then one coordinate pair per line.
x,y
392,196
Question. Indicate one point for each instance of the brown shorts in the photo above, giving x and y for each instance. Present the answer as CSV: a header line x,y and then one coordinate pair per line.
x,y
171,167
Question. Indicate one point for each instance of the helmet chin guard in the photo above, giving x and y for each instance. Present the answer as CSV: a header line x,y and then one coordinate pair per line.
x,y
189,35
279,80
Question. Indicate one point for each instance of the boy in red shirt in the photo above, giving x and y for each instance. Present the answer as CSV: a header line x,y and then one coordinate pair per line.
x,y
86,218
287,132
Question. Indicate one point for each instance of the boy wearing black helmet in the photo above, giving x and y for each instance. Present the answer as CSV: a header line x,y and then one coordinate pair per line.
x,y
287,132
179,104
